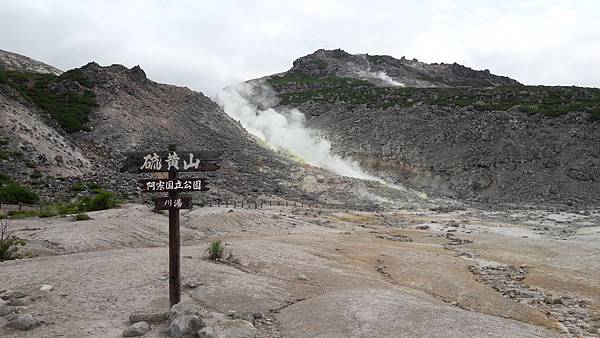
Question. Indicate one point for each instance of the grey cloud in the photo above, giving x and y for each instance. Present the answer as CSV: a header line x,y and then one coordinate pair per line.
x,y
208,45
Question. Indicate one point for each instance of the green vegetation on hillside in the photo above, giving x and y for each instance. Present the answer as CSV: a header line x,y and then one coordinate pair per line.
x,y
69,108
9,244
101,200
15,193
12,192
298,88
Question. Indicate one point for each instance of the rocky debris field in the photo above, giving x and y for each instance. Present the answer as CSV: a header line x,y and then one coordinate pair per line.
x,y
129,112
488,139
306,272
489,156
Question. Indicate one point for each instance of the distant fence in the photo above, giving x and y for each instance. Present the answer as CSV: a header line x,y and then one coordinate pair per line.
x,y
279,203
314,205
19,207
373,208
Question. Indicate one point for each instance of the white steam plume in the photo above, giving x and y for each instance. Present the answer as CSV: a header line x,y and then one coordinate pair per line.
x,y
389,80
380,76
286,131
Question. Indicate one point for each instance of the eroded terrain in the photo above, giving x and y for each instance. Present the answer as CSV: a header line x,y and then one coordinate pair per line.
x,y
306,272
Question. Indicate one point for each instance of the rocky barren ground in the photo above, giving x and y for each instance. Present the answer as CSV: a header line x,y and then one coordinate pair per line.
x,y
305,272
422,266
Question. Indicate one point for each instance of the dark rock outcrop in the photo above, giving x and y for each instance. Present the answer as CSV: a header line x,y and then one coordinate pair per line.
x,y
386,70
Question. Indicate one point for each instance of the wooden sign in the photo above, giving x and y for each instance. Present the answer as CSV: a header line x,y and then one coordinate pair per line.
x,y
181,161
173,162
165,203
173,185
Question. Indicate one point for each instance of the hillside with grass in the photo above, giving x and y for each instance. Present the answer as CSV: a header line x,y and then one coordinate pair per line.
x,y
297,88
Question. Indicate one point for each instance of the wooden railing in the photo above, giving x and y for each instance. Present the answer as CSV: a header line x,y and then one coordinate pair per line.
x,y
19,206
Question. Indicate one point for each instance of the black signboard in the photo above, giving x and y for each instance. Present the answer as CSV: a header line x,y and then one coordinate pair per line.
x,y
165,203
173,185
181,161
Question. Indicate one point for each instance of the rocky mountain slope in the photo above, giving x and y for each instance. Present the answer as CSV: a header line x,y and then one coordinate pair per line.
x,y
75,128
135,114
17,62
385,70
30,144
494,140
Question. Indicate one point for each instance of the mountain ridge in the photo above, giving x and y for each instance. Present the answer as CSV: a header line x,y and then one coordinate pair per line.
x,y
18,62
495,144
130,112
386,70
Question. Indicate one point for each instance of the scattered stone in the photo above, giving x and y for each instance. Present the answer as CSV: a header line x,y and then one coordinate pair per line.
x,y
572,313
185,326
182,309
10,294
191,284
5,310
24,322
465,254
422,227
399,238
236,328
136,329
150,317
207,332
16,302
46,288
457,241
553,300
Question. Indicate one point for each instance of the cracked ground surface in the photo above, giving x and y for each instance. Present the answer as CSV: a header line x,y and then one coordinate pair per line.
x,y
316,273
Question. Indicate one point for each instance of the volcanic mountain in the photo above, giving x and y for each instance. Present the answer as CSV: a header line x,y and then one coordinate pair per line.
x,y
61,129
449,129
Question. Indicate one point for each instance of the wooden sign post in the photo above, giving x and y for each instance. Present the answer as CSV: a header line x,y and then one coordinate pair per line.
x,y
173,162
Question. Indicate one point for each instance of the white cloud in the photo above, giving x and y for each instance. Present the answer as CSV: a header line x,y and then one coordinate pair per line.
x,y
208,45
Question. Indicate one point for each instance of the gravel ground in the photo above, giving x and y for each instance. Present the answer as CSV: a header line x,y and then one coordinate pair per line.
x,y
296,272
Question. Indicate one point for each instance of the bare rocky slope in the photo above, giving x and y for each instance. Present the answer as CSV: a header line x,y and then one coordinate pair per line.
x,y
14,61
73,128
30,144
475,136
386,70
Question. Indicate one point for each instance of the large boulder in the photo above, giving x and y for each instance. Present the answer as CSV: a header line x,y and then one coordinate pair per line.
x,y
5,310
137,329
181,309
24,322
236,328
150,317
186,326
11,294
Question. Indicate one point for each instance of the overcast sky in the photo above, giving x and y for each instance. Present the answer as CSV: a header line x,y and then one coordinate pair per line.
x,y
206,45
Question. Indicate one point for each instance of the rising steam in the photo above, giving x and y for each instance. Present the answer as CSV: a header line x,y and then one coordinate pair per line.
x,y
386,79
285,131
